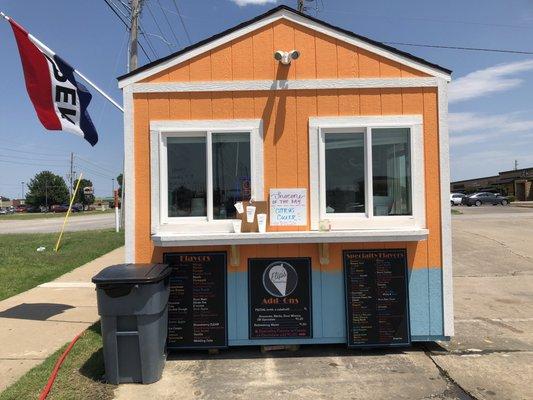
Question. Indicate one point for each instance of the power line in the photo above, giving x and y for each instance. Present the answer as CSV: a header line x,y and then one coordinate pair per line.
x,y
31,152
182,22
158,26
84,168
127,26
168,23
460,48
94,164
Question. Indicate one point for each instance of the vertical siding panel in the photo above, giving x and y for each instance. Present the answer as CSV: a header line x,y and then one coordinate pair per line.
x,y
407,72
179,106
349,102
200,68
159,77
431,145
222,104
391,102
347,61
143,245
180,73
241,59
326,57
388,68
412,101
304,42
201,105
327,103
263,50
368,64
284,40
306,106
370,102
221,63
243,105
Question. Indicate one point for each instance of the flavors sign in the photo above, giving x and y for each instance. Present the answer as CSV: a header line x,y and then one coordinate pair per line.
x,y
288,207
280,298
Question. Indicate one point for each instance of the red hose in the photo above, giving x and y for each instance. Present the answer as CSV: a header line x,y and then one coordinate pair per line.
x,y
53,375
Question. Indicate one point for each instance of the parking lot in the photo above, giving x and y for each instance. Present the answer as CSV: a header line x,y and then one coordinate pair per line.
x,y
490,356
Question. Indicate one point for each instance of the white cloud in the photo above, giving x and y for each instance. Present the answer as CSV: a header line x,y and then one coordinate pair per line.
x,y
242,3
469,127
487,81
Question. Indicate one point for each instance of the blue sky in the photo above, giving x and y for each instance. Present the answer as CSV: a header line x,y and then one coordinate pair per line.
x,y
491,99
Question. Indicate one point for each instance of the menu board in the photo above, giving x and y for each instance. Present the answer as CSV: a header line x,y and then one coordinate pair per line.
x,y
279,298
288,207
197,303
376,297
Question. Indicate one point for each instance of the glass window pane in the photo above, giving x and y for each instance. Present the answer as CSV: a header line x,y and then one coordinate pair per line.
x,y
186,176
345,172
231,172
391,169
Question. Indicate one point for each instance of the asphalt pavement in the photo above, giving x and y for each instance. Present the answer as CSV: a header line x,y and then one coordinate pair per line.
x,y
490,357
46,225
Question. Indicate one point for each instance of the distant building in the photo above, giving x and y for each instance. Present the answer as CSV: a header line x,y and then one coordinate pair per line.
x,y
517,183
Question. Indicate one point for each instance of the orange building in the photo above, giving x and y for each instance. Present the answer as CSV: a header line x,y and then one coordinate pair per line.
x,y
340,140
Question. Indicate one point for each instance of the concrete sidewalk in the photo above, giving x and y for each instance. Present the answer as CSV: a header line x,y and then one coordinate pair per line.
x,y
35,323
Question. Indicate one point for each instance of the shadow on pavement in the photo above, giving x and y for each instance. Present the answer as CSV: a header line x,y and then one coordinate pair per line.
x,y
35,311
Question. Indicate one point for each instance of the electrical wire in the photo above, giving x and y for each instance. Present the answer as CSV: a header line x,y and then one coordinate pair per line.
x,y
168,23
31,152
77,157
158,26
127,27
460,48
84,168
182,22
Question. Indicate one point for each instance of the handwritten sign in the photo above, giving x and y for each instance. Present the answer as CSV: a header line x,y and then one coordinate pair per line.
x,y
288,207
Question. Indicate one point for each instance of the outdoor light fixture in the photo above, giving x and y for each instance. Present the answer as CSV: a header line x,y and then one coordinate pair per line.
x,y
285,57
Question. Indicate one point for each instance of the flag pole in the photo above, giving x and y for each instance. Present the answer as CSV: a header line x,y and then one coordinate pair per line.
x,y
68,212
75,70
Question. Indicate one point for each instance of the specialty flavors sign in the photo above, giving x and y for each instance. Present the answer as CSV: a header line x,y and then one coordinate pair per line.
x,y
280,298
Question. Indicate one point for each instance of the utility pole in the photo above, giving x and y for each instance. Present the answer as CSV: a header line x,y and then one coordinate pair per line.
x,y
301,6
136,6
22,190
515,165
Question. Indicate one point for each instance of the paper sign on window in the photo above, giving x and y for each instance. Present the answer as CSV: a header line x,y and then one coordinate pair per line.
x,y
288,207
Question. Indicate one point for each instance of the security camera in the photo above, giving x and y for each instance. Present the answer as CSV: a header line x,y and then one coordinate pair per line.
x,y
285,57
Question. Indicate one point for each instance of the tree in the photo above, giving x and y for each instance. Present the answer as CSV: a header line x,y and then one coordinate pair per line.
x,y
46,189
119,181
81,197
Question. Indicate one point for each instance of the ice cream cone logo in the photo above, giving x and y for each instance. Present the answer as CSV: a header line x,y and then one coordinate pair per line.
x,y
280,279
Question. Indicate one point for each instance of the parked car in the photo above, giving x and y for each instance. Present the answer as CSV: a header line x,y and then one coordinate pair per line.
x,y
20,209
56,208
3,211
480,198
456,198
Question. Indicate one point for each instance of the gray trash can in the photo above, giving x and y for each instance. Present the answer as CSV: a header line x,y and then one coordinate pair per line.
x,y
133,308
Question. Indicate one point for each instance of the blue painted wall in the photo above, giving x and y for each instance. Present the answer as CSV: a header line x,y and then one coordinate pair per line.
x,y
328,302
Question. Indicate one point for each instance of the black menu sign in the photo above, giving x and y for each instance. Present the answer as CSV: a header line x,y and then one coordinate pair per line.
x,y
279,297
197,303
376,297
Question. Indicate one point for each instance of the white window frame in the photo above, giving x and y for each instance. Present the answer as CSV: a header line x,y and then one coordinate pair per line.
x,y
321,126
160,131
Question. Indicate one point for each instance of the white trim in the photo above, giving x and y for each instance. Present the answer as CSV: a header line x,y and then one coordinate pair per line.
x,y
446,229
172,239
283,14
160,131
129,176
295,84
318,126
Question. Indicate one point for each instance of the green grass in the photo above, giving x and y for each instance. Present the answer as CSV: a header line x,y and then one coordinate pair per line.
x,y
80,376
23,216
22,267
456,212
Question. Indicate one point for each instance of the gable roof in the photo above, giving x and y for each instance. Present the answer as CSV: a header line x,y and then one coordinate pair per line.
x,y
268,17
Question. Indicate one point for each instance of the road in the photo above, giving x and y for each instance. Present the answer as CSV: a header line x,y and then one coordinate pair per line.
x,y
45,225
490,357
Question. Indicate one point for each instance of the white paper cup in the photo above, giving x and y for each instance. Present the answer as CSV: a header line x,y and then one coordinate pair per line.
x,y
239,207
237,225
262,222
250,214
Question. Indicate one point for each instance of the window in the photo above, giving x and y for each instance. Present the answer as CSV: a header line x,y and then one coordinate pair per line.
x,y
202,168
363,171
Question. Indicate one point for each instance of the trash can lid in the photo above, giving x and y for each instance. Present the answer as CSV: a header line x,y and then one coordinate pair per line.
x,y
132,273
